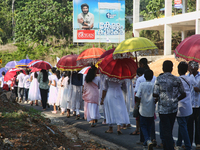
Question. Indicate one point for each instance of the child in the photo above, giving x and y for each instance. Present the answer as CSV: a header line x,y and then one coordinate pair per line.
x,y
144,96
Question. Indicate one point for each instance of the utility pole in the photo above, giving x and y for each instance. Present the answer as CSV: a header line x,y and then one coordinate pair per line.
x,y
13,26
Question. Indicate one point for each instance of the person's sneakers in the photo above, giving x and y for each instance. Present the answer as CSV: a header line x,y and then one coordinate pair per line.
x,y
25,102
150,145
178,148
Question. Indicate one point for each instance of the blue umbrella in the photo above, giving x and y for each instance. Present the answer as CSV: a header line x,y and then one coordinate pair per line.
x,y
3,69
23,63
11,64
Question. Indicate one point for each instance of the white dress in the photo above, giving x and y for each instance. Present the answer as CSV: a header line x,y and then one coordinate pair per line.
x,y
114,104
34,91
92,108
64,103
60,92
53,91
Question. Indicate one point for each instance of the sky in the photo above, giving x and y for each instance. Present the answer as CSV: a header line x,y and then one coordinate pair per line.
x,y
100,15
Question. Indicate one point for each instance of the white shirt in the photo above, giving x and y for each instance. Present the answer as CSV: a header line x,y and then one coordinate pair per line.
x,y
88,18
26,81
147,103
20,79
185,105
2,81
142,79
195,81
96,80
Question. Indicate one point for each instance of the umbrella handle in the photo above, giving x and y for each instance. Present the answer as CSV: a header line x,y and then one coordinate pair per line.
x,y
136,59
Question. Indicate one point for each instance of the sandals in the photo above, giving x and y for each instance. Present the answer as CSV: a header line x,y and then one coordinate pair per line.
x,y
93,124
135,133
107,131
77,117
119,132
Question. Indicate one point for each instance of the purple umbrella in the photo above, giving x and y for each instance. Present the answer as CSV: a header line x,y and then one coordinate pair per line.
x,y
11,64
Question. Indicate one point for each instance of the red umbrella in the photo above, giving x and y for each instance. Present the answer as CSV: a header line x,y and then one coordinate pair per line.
x,y
189,48
11,73
41,65
90,56
35,69
118,68
106,53
68,63
29,65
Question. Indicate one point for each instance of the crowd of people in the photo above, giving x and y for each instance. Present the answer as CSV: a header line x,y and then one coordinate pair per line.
x,y
175,97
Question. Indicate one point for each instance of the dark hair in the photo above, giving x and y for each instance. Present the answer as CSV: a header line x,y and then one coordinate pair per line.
x,y
83,5
3,73
58,74
45,75
91,74
144,61
27,72
182,67
69,74
21,71
148,74
167,66
35,75
140,71
53,69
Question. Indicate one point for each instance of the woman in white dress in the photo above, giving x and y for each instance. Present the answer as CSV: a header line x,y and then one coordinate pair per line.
x,y
114,104
34,91
91,96
53,91
64,101
60,90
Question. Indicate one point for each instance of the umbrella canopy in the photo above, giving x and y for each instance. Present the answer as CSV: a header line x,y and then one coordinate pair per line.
x,y
11,64
23,63
90,56
35,69
141,45
118,68
85,70
189,48
41,65
11,73
29,64
1,70
68,63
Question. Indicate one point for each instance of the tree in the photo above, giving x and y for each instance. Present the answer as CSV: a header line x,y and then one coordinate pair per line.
x,y
39,19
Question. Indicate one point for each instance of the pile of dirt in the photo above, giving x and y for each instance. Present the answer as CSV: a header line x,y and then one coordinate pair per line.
x,y
25,129
156,66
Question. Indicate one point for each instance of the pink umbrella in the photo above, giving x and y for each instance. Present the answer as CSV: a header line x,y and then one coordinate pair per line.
x,y
85,70
11,73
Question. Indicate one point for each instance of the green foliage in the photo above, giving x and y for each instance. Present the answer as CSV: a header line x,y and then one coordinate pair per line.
x,y
39,19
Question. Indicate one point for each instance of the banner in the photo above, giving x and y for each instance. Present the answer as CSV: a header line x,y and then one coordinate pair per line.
x,y
177,3
99,21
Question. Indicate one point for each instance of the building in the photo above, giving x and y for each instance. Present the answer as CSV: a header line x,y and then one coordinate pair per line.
x,y
182,22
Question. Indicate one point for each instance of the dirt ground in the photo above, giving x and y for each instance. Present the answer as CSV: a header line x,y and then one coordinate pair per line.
x,y
25,129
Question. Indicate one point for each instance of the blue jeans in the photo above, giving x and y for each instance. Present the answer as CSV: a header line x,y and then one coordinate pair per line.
x,y
26,93
145,125
183,133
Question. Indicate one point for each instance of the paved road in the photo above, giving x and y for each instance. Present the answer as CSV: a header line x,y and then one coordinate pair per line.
x,y
125,140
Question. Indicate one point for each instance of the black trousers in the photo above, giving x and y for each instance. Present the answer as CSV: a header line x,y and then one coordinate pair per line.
x,y
167,123
44,93
193,120
16,91
26,93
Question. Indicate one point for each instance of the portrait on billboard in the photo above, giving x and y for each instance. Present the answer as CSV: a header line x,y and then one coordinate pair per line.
x,y
99,21
85,19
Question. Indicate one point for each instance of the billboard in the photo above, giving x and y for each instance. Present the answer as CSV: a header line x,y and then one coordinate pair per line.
x,y
99,21
177,3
